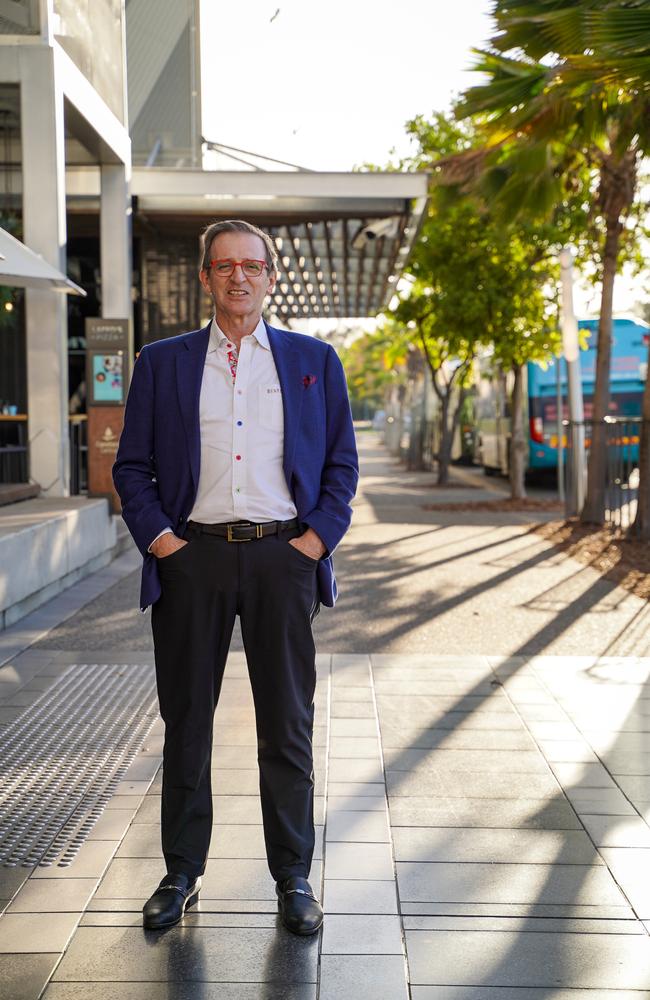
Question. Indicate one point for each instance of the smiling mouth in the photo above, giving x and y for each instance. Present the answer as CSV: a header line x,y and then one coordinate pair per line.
x,y
237,292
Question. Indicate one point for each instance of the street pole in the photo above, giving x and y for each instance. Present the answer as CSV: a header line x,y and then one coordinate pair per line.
x,y
571,347
560,429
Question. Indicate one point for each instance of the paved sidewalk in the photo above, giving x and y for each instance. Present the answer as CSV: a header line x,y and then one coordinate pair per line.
x,y
484,810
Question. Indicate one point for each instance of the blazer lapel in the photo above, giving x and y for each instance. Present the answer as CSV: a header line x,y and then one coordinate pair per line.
x,y
287,363
190,361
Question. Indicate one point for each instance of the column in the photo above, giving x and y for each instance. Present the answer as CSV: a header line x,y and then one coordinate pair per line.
x,y
44,231
115,241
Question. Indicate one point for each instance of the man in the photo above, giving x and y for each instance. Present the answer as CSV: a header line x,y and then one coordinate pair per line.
x,y
236,469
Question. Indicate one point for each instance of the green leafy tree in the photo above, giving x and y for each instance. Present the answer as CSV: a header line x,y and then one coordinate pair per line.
x,y
476,282
567,91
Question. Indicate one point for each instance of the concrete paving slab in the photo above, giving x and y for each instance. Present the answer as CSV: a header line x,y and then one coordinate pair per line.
x,y
636,787
521,846
630,867
23,977
359,861
544,911
356,826
600,801
353,790
617,831
507,883
461,739
355,769
353,727
577,751
581,775
349,747
503,959
466,784
22,933
477,761
178,991
535,814
356,934
224,954
524,925
136,878
627,762
53,896
364,977
228,841
513,993
352,710
359,896
91,861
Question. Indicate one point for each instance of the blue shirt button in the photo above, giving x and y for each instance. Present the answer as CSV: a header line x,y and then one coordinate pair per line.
x,y
239,423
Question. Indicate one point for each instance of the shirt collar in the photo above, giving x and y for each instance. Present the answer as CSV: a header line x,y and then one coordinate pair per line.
x,y
218,338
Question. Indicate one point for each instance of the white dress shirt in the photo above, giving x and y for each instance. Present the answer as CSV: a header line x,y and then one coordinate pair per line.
x,y
242,435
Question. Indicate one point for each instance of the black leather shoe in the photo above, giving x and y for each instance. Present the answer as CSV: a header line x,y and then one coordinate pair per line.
x,y
170,900
300,910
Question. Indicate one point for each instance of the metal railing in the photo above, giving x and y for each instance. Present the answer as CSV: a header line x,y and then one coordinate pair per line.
x,y
14,449
622,435
78,430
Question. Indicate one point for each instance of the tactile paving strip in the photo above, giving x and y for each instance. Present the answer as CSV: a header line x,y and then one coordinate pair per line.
x,y
61,759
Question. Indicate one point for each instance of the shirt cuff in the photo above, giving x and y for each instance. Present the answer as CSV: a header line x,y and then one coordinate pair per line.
x,y
165,531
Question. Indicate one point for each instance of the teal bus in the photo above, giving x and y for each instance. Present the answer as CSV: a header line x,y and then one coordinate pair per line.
x,y
630,340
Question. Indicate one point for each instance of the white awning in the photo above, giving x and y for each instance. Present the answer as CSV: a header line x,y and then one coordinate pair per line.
x,y
21,267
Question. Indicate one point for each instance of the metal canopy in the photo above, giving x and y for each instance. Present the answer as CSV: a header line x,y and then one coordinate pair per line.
x,y
326,272
20,267
342,238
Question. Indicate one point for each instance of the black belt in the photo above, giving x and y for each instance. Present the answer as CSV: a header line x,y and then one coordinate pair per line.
x,y
243,531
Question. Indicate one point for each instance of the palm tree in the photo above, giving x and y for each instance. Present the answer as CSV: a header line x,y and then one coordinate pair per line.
x,y
574,91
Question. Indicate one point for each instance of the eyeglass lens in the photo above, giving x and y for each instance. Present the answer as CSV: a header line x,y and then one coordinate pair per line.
x,y
252,268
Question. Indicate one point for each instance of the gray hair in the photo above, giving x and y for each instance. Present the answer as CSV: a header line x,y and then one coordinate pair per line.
x,y
210,233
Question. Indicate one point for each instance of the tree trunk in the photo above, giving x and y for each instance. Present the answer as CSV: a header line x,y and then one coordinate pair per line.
x,y
593,511
517,436
446,439
641,526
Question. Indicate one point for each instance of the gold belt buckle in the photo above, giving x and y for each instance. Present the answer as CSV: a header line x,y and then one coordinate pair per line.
x,y
258,533
229,536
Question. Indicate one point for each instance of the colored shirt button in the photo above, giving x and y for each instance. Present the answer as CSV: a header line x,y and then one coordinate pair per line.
x,y
238,489
238,457
239,423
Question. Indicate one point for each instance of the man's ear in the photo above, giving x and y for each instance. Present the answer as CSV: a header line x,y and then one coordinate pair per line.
x,y
203,278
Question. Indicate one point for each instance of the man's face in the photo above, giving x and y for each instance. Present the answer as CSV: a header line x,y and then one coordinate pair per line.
x,y
238,295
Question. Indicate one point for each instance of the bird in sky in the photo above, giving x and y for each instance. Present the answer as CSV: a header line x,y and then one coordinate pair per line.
x,y
271,20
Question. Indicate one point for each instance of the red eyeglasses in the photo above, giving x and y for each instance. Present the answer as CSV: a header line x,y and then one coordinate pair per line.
x,y
224,267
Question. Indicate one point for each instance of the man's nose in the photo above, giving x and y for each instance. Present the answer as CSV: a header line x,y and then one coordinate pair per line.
x,y
238,273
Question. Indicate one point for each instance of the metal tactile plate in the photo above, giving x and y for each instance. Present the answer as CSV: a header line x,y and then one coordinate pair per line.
x,y
61,760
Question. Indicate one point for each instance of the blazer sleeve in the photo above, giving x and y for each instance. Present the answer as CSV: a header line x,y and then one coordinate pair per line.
x,y
134,472
331,516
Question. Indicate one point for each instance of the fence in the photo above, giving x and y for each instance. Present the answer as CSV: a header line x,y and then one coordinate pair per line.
x,y
14,450
78,429
622,478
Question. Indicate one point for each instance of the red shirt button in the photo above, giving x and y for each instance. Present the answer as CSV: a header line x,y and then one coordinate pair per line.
x,y
238,457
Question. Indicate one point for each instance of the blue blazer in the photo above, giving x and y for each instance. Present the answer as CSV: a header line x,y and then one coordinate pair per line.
x,y
156,471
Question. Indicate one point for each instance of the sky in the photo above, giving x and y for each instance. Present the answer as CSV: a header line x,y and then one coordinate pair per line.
x,y
329,85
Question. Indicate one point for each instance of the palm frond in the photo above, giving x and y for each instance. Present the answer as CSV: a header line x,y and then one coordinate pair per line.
x,y
623,29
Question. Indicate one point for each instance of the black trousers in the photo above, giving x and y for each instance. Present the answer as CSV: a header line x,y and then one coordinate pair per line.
x,y
272,587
